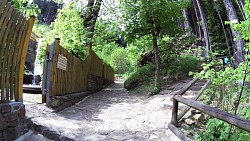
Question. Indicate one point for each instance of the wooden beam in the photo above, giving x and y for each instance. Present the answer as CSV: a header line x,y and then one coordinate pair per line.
x,y
217,113
196,98
24,48
178,133
186,87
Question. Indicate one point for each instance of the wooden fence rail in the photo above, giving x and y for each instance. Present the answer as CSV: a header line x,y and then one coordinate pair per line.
x,y
66,74
212,111
15,33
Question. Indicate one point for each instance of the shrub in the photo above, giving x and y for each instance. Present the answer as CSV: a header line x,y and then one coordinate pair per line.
x,y
143,73
181,66
119,61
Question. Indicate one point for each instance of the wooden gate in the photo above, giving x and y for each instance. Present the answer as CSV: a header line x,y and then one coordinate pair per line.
x,y
15,33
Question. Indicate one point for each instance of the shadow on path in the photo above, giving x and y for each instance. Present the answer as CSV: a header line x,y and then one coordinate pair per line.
x,y
112,114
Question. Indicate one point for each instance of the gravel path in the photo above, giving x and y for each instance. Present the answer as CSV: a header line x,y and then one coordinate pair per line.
x,y
110,115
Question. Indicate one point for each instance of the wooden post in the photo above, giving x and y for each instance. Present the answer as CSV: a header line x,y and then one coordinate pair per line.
x,y
178,133
24,48
174,112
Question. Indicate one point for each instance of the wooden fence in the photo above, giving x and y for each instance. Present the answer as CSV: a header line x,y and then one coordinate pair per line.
x,y
66,74
15,33
212,111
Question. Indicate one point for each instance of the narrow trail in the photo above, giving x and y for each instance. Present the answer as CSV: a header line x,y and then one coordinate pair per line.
x,y
109,115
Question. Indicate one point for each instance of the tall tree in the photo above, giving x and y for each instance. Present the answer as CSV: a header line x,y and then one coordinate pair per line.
x,y
154,18
238,44
204,25
90,17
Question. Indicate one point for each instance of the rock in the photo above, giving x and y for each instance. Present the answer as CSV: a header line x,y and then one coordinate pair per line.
x,y
193,112
6,108
198,124
56,103
199,117
13,123
11,116
153,137
3,125
10,134
189,121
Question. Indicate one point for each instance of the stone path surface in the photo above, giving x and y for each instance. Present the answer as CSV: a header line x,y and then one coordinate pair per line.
x,y
109,115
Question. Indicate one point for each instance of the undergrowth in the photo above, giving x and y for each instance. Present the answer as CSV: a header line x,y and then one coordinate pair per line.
x,y
142,80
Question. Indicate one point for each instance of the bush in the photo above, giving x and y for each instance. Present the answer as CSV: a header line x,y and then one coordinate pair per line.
x,y
143,74
181,67
119,61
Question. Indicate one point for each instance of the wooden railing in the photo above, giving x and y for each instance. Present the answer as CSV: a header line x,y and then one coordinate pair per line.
x,y
212,111
15,33
66,74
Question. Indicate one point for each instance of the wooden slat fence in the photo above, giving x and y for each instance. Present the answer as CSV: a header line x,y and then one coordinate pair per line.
x,y
73,75
15,33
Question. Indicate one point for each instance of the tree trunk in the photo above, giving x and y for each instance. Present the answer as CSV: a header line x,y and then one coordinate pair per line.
x,y
90,17
224,29
240,4
187,26
198,20
157,61
204,26
238,44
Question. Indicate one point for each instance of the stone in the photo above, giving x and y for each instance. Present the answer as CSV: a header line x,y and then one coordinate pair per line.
x,y
6,108
199,117
11,116
189,121
10,134
21,113
13,123
56,103
153,137
3,125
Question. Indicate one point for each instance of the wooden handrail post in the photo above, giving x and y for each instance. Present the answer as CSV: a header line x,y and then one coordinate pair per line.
x,y
174,112
24,48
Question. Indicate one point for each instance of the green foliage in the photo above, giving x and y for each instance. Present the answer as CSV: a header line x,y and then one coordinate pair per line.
x,y
27,7
217,130
141,17
181,67
143,74
119,60
230,90
68,27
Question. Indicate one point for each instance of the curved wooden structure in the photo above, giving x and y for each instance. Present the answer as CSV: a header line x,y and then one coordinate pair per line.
x,y
15,33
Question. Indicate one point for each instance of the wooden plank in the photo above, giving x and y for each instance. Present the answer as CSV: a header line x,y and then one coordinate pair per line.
x,y
31,22
3,11
3,3
196,98
13,55
3,39
217,113
17,53
9,51
7,40
178,133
